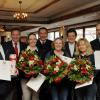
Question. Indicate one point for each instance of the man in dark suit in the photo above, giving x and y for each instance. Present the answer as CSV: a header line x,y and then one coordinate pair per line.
x,y
44,46
14,47
70,48
70,45
96,46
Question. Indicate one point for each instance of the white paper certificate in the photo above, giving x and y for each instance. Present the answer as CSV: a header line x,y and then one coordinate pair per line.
x,y
97,59
84,84
35,83
66,59
5,67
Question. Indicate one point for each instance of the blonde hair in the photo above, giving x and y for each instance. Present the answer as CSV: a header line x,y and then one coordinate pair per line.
x,y
53,47
89,50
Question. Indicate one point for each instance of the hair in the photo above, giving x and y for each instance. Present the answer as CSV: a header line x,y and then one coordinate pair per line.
x,y
54,42
71,30
15,29
98,23
31,34
43,29
89,50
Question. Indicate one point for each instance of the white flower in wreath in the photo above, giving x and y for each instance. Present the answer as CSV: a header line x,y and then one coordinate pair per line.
x,y
31,62
36,57
87,67
75,67
21,59
56,69
57,63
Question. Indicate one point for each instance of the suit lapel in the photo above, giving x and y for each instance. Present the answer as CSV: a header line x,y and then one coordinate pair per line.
x,y
74,49
67,50
12,48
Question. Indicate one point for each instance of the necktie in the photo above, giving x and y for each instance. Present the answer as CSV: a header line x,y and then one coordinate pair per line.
x,y
1,58
16,49
43,42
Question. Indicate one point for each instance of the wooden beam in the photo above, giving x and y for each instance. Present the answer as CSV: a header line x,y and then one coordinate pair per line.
x,y
78,13
46,6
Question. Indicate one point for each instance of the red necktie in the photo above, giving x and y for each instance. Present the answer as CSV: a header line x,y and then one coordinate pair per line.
x,y
16,49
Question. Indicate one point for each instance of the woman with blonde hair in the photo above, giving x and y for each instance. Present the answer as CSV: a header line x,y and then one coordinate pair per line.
x,y
58,91
88,51
84,50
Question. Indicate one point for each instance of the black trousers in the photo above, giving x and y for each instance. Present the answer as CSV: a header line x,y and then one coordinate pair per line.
x,y
44,93
10,90
97,80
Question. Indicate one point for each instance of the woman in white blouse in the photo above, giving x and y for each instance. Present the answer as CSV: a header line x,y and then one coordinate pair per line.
x,y
29,94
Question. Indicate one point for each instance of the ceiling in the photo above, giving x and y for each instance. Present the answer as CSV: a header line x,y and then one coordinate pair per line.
x,y
42,12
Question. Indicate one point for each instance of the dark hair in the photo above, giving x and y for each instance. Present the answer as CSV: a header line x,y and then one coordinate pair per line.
x,y
71,30
15,29
43,29
31,34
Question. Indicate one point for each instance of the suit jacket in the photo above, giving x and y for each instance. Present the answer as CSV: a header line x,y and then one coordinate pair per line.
x,y
43,49
9,49
67,50
95,44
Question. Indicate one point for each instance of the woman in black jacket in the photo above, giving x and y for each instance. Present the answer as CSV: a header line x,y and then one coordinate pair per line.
x,y
84,50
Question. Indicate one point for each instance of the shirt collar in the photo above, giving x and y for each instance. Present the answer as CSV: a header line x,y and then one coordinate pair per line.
x,y
28,48
14,43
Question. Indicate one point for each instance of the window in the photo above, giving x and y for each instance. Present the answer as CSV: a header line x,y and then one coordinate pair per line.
x,y
57,34
51,36
79,33
90,33
37,36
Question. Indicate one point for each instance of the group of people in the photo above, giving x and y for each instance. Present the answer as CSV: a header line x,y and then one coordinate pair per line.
x,y
17,89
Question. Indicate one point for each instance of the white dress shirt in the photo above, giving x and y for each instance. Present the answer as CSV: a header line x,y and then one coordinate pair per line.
x,y
71,48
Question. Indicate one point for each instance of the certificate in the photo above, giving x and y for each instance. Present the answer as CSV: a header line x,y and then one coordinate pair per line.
x,y
84,84
5,68
66,59
97,59
35,83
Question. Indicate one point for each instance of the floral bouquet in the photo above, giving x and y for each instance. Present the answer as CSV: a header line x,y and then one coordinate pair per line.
x,y
55,69
80,70
30,63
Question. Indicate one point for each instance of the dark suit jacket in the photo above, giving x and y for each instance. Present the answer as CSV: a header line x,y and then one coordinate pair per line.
x,y
67,50
9,49
43,49
96,46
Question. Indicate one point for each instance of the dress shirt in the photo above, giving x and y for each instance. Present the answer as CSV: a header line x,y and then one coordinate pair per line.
x,y
71,48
